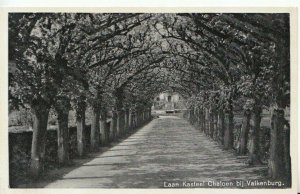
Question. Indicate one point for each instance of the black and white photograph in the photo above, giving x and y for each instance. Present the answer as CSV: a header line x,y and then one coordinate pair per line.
x,y
167,100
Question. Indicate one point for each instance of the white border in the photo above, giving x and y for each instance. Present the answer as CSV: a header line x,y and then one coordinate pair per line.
x,y
150,3
132,6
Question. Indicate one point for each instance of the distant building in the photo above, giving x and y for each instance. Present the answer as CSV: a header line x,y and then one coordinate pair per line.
x,y
168,101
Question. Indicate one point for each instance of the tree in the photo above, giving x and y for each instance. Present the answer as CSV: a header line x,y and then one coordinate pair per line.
x,y
36,78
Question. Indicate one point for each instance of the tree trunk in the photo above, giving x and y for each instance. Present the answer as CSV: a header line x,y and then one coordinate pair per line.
x,y
113,125
80,121
201,120
244,133
103,127
277,164
255,138
197,117
62,107
148,113
135,119
119,95
126,128
133,113
143,116
228,134
123,122
40,115
221,121
191,115
211,122
138,118
215,114
130,119
206,122
63,138
132,126
120,118
187,114
287,156
276,161
95,128
199,123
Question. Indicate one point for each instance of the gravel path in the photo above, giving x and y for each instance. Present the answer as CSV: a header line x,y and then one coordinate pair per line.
x,y
167,152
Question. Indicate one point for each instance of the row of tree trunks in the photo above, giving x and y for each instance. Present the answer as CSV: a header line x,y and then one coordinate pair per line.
x,y
219,126
122,121
101,132
215,123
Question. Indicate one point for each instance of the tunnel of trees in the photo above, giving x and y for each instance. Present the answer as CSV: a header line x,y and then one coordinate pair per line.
x,y
120,62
